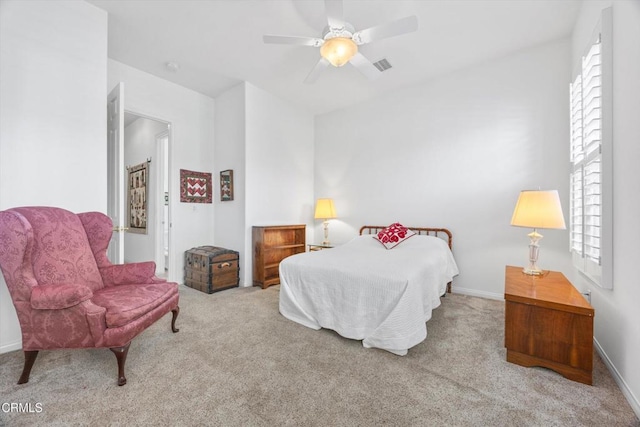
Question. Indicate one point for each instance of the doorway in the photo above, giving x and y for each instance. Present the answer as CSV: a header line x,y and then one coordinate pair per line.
x,y
148,139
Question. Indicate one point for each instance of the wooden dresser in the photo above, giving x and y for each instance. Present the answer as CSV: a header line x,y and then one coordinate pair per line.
x,y
548,323
272,244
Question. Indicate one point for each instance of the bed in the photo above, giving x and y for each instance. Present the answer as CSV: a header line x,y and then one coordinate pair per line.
x,y
364,291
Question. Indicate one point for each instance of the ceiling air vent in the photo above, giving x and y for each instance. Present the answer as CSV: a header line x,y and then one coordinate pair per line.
x,y
382,65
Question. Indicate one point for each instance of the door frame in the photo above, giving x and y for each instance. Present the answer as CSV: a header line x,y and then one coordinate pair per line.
x,y
116,181
162,154
152,116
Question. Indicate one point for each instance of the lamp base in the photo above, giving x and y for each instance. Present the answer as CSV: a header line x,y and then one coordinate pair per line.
x,y
535,271
326,232
534,250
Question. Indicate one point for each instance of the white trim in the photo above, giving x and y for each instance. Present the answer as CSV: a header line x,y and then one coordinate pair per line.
x,y
626,391
606,242
162,175
476,293
12,346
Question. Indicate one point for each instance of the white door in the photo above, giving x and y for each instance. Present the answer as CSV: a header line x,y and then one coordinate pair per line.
x,y
115,173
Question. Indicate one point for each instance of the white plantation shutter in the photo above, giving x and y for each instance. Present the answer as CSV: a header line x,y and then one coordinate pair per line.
x,y
576,155
587,189
591,140
575,100
592,210
575,218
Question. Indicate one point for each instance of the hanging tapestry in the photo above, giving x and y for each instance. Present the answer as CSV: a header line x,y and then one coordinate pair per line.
x,y
137,198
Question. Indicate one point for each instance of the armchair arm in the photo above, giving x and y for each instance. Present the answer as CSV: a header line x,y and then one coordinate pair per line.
x,y
131,273
57,297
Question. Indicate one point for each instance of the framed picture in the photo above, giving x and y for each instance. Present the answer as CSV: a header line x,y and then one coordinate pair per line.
x,y
195,187
137,198
226,185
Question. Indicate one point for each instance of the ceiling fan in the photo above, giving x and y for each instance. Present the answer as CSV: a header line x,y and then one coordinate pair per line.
x,y
339,42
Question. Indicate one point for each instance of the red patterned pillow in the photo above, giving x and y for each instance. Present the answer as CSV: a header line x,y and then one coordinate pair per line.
x,y
391,236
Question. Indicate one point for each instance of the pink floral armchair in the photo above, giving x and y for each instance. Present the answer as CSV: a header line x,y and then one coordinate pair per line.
x,y
67,293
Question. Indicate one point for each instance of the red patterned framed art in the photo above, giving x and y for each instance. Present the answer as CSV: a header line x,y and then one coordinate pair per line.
x,y
195,187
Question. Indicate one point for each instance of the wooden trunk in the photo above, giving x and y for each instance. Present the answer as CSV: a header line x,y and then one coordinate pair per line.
x,y
210,268
548,323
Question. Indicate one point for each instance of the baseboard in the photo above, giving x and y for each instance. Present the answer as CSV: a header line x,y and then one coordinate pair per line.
x,y
476,293
12,346
628,394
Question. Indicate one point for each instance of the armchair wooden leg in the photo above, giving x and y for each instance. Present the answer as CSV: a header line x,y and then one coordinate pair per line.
x,y
29,359
121,355
175,313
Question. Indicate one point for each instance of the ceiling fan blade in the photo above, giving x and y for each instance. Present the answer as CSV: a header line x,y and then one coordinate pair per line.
x,y
365,66
300,41
335,14
317,70
390,29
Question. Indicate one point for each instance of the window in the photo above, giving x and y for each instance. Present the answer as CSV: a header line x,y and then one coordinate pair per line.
x,y
590,230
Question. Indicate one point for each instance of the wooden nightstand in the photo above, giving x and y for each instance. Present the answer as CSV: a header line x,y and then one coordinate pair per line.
x,y
318,247
548,323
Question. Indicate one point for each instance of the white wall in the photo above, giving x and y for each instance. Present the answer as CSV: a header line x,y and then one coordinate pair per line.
x,y
191,116
279,163
617,318
455,153
139,145
229,153
53,74
269,145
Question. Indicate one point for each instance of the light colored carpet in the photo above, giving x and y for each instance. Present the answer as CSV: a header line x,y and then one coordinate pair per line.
x,y
237,362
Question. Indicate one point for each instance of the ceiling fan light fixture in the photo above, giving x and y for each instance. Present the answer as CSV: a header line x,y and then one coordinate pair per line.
x,y
338,50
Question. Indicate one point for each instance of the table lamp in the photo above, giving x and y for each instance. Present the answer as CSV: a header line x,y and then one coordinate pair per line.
x,y
537,209
325,211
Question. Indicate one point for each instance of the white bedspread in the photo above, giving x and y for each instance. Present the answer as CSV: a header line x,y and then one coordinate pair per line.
x,y
366,292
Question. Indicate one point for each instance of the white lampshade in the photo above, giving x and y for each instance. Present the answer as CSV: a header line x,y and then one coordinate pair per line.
x,y
325,209
338,50
538,209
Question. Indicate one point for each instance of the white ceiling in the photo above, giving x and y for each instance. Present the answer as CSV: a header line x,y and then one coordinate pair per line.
x,y
218,43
